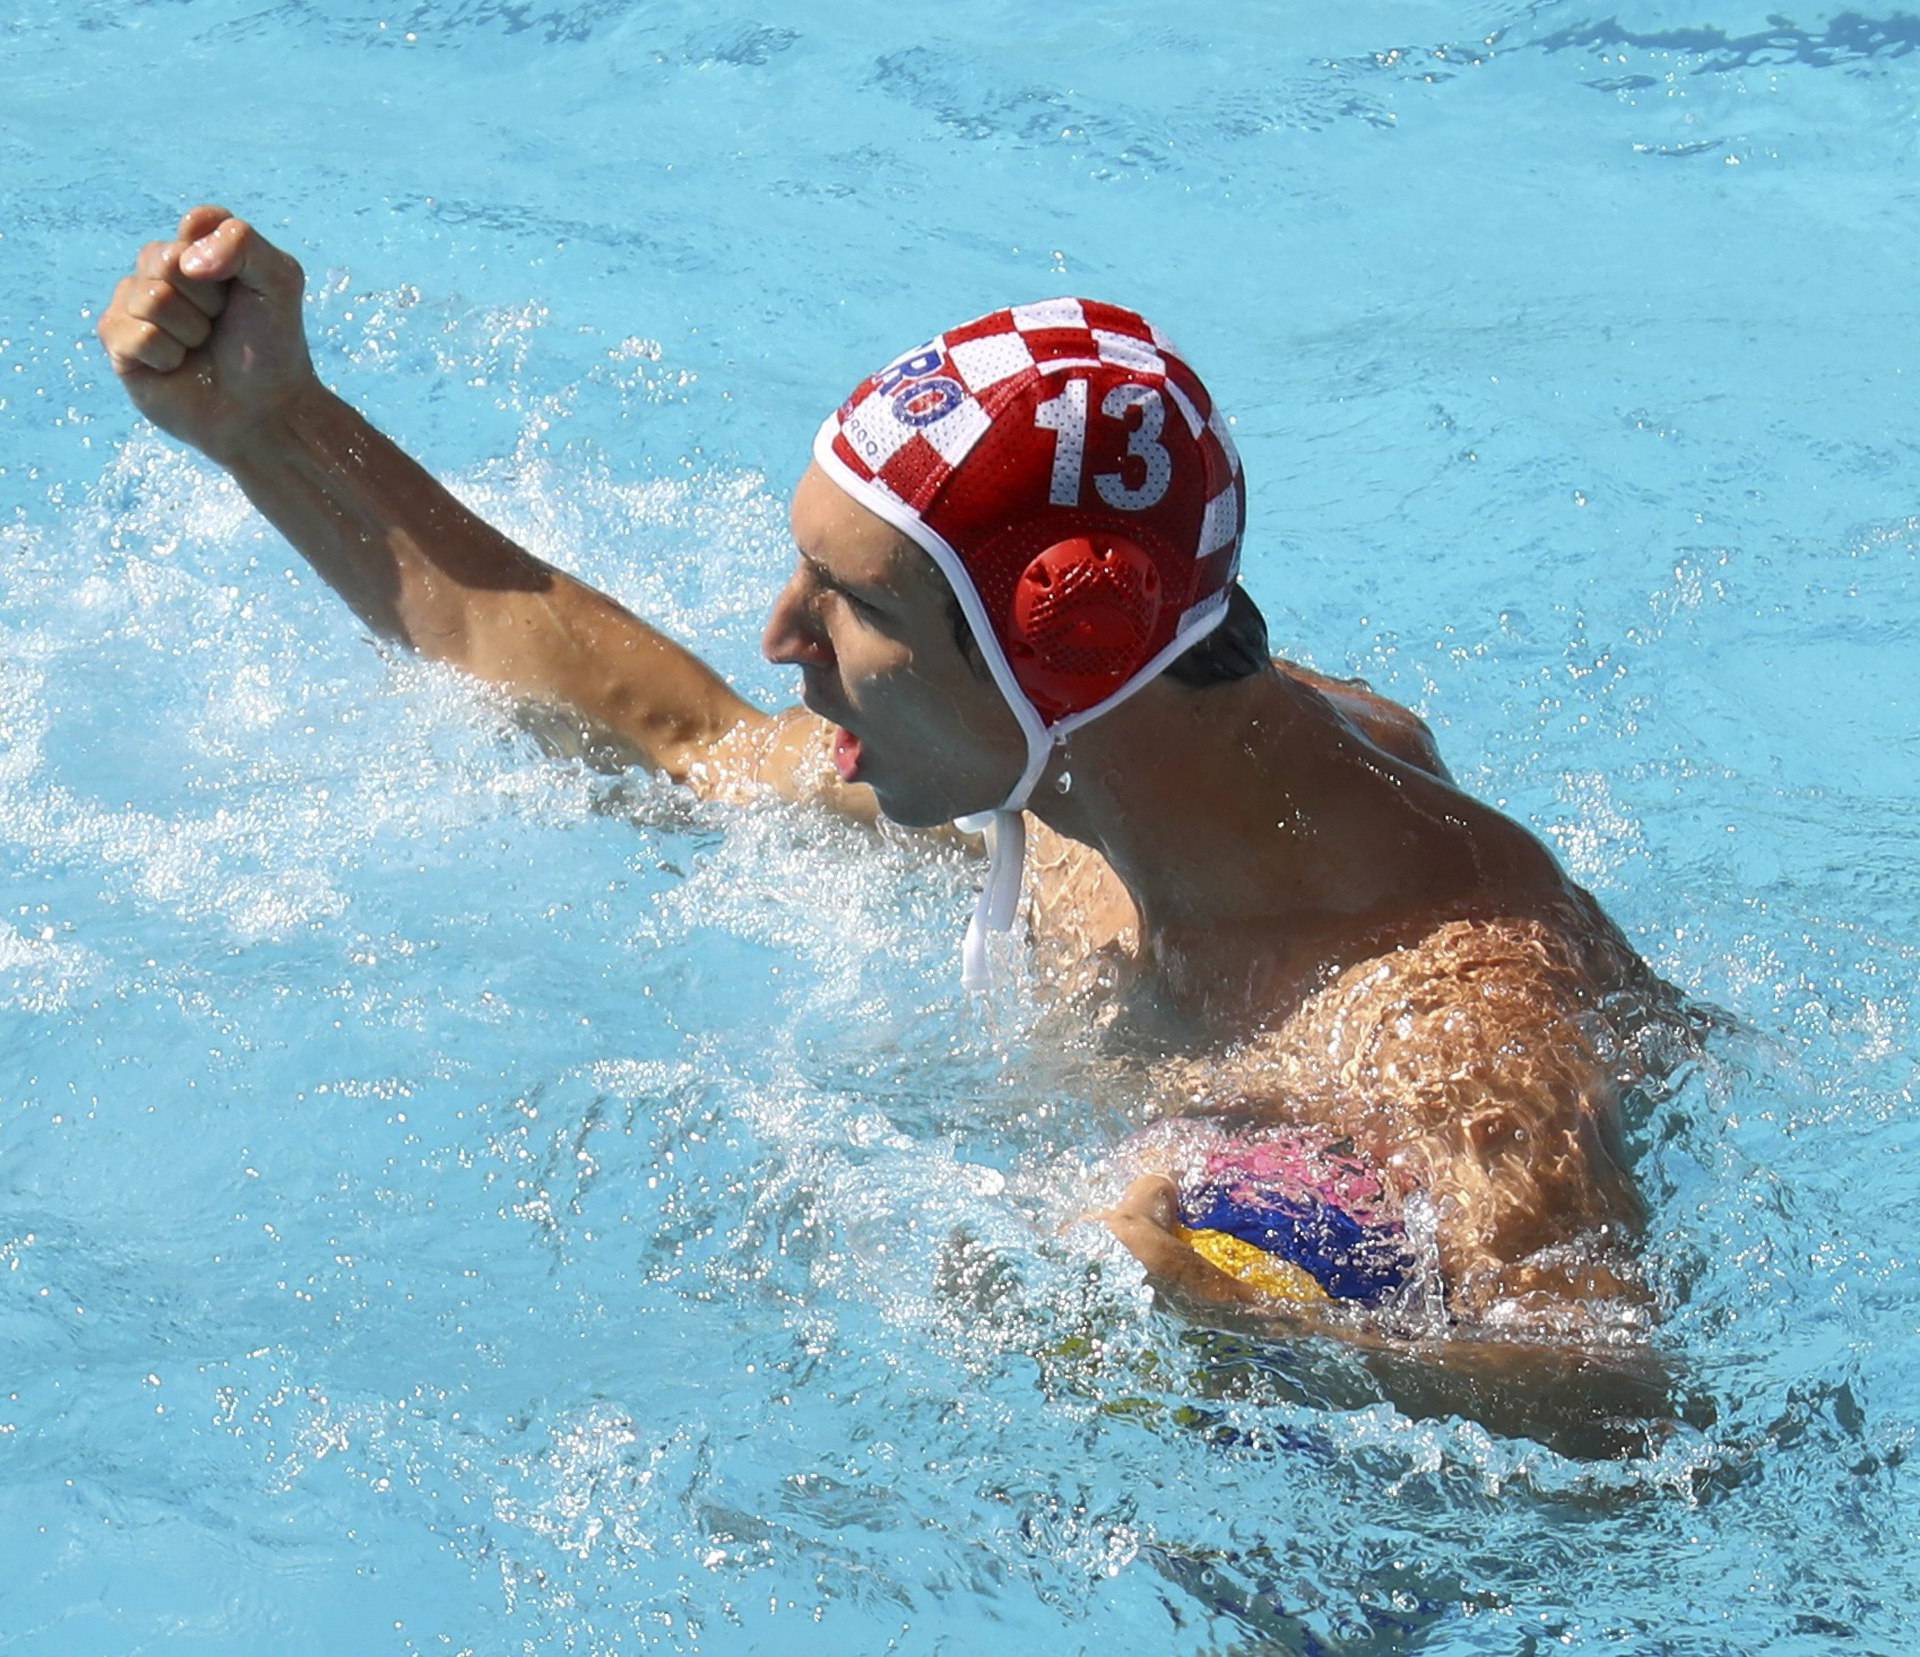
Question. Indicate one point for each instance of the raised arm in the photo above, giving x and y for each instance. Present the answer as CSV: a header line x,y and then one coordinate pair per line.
x,y
207,336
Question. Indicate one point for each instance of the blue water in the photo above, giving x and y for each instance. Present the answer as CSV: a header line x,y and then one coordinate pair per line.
x,y
454,1201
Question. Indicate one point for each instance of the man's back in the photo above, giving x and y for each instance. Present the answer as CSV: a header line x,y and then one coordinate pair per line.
x,y
1476,1060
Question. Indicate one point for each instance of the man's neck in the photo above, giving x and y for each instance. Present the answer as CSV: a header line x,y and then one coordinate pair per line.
x,y
1251,825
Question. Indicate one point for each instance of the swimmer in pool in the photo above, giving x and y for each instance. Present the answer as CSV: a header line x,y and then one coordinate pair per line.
x,y
1015,604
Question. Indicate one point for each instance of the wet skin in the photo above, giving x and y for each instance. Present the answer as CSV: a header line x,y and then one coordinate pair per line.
x,y
1300,913
1332,907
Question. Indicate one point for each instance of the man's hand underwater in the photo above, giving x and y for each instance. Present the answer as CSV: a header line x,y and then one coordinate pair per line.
x,y
207,333
1144,1220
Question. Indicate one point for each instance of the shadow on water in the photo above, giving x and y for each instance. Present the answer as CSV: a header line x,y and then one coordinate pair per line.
x,y
1273,1603
1242,1396
1387,1593
1586,1403
1847,38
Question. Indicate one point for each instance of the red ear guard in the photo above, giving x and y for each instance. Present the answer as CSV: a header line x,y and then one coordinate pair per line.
x,y
1082,621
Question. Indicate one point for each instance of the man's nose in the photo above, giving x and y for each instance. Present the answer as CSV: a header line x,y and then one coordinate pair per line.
x,y
794,637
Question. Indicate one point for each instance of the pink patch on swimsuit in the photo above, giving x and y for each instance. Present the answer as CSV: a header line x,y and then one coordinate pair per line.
x,y
1321,1208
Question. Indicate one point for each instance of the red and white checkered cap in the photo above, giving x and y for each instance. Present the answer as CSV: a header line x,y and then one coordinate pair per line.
x,y
1042,426
1069,474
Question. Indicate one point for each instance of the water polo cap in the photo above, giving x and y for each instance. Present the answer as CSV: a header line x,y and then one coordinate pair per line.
x,y
1067,472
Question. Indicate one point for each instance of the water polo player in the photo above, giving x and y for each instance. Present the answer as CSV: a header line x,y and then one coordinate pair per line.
x,y
1016,604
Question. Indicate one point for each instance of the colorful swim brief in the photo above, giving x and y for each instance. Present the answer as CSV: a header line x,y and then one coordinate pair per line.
x,y
1296,1220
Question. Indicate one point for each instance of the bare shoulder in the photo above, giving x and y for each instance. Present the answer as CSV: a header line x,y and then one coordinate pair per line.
x,y
1387,724
1460,1004
1479,1065
1469,993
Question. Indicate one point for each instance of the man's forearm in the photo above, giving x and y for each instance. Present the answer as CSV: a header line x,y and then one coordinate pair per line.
x,y
207,336
419,568
385,534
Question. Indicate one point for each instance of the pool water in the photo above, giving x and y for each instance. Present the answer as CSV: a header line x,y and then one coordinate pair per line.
x,y
455,1201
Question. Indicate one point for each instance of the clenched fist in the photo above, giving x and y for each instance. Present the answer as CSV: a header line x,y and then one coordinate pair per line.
x,y
207,335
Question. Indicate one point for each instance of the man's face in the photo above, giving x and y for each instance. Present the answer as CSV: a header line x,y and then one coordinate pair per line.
x,y
867,618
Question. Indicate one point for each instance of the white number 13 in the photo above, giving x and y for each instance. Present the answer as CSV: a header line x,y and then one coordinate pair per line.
x,y
1066,417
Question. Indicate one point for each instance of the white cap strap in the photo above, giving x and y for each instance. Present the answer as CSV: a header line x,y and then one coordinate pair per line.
x,y
1006,833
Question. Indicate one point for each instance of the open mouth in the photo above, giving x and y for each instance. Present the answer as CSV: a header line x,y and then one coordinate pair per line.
x,y
846,754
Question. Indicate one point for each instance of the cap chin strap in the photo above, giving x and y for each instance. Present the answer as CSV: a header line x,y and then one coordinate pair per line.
x,y
1006,832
